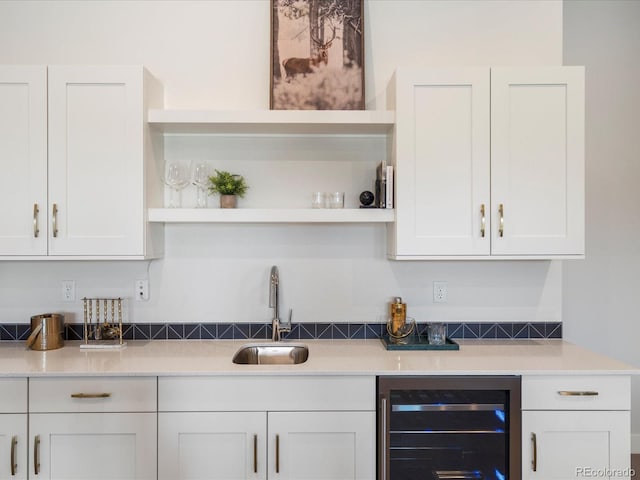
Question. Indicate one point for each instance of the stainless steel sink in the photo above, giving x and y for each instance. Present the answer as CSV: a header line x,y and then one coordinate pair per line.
x,y
272,354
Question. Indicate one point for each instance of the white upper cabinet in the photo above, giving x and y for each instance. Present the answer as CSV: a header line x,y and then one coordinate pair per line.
x,y
441,159
23,160
489,163
89,199
537,161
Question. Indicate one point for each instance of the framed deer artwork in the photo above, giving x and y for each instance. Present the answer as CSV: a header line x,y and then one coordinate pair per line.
x,y
317,55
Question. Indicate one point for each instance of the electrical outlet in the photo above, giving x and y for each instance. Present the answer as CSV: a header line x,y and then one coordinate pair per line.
x,y
142,290
439,292
68,291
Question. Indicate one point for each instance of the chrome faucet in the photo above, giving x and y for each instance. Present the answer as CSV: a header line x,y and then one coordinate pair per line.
x,y
274,293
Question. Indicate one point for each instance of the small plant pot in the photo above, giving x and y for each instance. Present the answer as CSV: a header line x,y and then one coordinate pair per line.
x,y
228,201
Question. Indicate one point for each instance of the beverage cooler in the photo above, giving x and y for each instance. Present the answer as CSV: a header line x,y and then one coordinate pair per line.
x,y
449,427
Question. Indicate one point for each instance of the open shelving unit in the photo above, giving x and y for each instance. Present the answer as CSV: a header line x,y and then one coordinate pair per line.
x,y
291,122
271,215
305,123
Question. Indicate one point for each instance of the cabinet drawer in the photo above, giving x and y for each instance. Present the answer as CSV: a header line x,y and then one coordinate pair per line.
x,y
13,395
93,394
275,393
588,392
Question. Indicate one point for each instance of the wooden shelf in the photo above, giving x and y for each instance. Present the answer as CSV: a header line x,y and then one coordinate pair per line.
x,y
277,215
317,122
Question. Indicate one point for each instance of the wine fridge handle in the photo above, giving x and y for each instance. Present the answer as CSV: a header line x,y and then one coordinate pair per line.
x,y
383,438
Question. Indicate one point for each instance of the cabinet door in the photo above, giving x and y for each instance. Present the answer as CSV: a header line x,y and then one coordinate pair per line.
x,y
537,161
23,160
13,446
95,160
321,445
575,444
212,445
92,446
442,162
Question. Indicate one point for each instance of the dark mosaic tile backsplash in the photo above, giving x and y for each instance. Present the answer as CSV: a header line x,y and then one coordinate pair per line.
x,y
301,331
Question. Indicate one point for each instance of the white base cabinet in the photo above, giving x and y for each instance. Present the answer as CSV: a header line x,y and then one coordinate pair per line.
x,y
93,446
266,428
13,428
571,445
93,428
212,445
321,445
236,445
13,445
576,427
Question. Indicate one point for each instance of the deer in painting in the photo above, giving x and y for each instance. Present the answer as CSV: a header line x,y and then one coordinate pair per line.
x,y
294,66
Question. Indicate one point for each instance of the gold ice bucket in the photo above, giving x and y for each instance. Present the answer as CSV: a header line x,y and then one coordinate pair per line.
x,y
47,332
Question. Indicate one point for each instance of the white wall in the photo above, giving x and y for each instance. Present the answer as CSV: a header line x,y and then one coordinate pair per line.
x,y
215,54
601,294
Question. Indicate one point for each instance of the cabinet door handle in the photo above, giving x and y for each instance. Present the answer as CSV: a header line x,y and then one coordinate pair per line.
x,y
54,219
501,213
90,395
255,454
36,454
383,438
578,393
483,221
36,211
534,445
14,465
277,453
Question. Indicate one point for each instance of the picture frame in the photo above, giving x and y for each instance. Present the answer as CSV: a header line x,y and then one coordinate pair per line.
x,y
317,55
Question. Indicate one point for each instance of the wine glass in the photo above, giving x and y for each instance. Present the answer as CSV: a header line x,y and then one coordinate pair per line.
x,y
176,177
200,178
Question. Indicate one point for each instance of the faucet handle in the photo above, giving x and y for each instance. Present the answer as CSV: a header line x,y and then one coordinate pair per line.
x,y
287,327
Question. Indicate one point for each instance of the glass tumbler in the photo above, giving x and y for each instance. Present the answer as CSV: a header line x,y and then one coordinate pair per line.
x,y
437,333
336,199
318,200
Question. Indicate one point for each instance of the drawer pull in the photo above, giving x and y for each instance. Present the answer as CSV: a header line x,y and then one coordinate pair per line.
x,y
36,230
90,395
36,454
534,445
54,219
14,465
578,393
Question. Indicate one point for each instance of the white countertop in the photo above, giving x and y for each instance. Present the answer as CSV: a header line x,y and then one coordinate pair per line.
x,y
326,357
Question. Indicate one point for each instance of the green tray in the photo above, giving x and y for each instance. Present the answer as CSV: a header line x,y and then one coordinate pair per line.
x,y
417,342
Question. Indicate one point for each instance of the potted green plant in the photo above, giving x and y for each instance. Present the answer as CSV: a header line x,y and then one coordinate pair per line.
x,y
229,185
